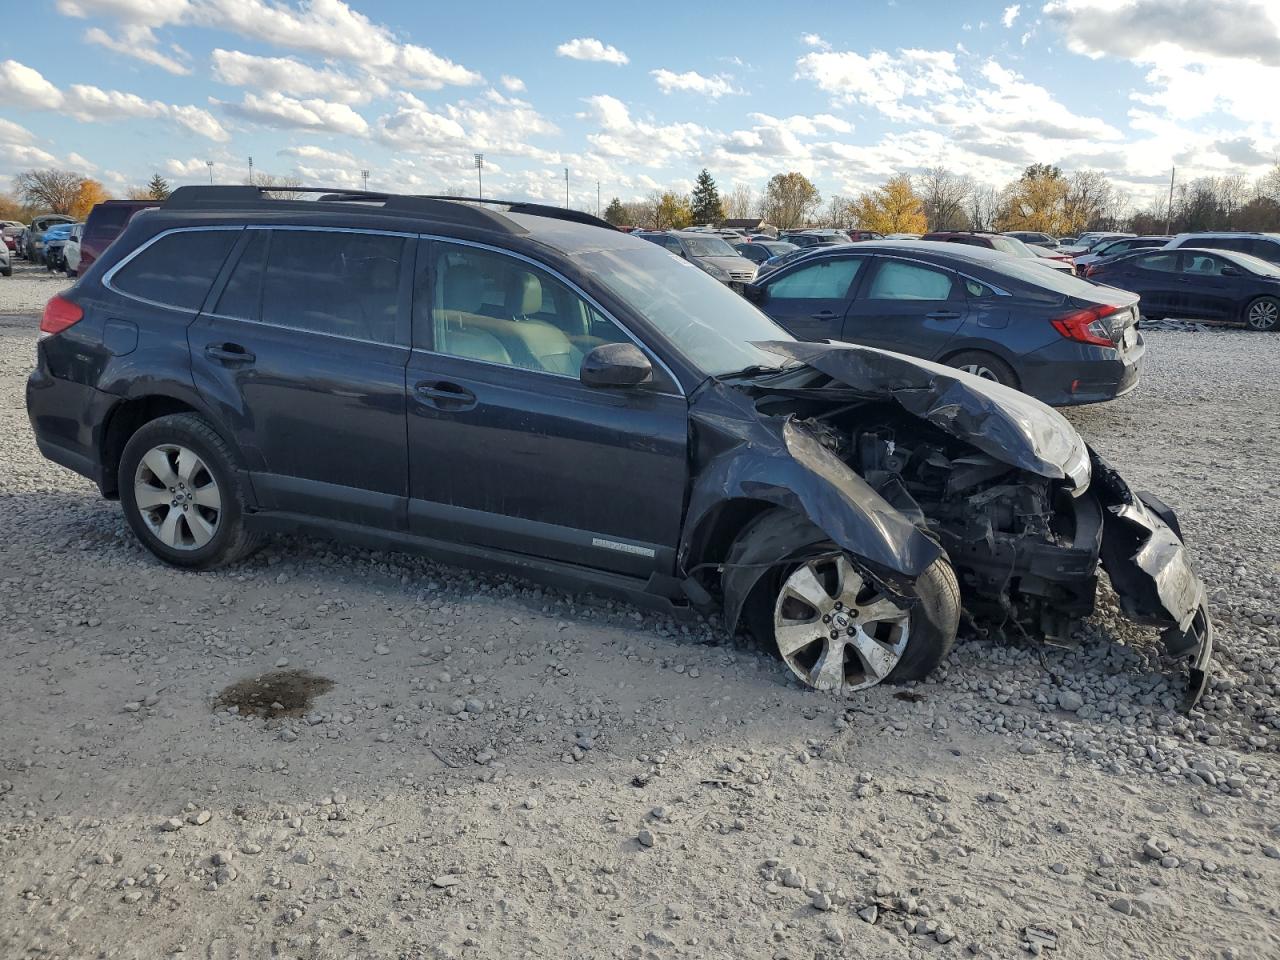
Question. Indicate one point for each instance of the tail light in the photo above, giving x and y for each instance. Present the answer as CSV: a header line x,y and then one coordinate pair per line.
x,y
1090,269
1088,326
59,314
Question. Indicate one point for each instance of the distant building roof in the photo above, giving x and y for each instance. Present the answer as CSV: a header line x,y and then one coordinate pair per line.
x,y
746,223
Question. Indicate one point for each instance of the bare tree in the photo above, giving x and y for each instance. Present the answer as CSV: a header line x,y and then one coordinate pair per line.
x,y
284,183
944,194
53,190
739,203
1087,196
790,200
840,213
983,207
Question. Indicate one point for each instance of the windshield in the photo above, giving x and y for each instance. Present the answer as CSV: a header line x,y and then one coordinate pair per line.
x,y
704,319
1254,264
707,247
777,248
1013,246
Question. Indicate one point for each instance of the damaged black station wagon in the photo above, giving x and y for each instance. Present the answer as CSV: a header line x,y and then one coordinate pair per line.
x,y
526,388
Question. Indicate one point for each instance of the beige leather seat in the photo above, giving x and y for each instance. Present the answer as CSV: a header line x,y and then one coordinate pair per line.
x,y
456,334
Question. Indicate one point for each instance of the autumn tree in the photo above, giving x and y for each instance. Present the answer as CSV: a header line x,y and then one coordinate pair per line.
x,y
1035,201
704,203
945,195
892,208
91,194
840,212
53,191
158,188
615,213
672,212
11,208
790,200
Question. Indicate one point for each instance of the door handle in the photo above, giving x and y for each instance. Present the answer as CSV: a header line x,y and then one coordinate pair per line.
x,y
228,353
942,315
444,395
823,315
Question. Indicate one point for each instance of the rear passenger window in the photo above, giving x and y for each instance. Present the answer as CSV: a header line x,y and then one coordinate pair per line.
x,y
178,269
1159,262
242,295
1268,250
336,283
491,307
906,281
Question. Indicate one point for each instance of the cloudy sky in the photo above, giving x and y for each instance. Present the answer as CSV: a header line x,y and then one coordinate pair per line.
x,y
847,93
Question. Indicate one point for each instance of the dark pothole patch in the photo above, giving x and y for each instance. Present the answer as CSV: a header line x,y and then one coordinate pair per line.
x,y
281,693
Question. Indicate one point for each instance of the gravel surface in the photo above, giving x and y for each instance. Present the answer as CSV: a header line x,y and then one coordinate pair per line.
x,y
468,766
29,289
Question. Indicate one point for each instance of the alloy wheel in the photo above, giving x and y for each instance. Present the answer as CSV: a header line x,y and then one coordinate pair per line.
x,y
978,370
177,497
836,630
1263,315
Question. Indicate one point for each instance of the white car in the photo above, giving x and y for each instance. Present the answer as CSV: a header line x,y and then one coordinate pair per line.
x,y
6,262
71,251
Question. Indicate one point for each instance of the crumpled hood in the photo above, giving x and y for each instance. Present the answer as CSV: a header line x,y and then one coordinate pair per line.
x,y
1004,423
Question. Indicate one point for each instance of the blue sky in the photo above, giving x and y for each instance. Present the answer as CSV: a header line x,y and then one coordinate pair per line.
x,y
847,93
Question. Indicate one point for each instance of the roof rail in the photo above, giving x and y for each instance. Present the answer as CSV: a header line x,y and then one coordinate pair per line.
x,y
460,210
532,209
252,195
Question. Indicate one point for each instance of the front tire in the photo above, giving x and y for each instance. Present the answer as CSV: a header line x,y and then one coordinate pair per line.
x,y
1263,314
182,495
838,631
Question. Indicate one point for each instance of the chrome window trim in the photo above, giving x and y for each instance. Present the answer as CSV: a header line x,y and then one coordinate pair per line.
x,y
648,351
314,333
296,227
110,274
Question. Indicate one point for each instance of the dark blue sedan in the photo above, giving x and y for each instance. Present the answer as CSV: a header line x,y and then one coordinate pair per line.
x,y
1054,336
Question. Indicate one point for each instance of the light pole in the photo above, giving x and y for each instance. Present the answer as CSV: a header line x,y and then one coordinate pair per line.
x,y
1168,214
251,171
364,177
597,198
566,188
480,175
209,164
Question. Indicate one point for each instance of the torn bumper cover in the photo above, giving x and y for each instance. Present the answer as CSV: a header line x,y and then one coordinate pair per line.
x,y
1143,554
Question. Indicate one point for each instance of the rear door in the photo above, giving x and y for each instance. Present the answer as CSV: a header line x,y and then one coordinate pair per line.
x,y
811,298
907,306
508,449
302,353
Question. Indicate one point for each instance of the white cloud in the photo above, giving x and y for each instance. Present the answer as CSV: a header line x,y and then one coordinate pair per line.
x,y
623,137
274,109
1010,14
694,82
589,48
11,132
814,40
512,84
285,73
138,42
412,124
22,86
882,80
147,12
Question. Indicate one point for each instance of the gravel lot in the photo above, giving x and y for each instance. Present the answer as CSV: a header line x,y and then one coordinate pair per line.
x,y
502,771
29,289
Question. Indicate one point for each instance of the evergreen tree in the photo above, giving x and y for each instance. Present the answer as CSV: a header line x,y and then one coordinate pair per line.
x,y
158,187
615,213
705,203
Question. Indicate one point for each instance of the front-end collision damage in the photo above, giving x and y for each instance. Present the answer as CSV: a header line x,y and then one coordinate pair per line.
x,y
740,455
1000,483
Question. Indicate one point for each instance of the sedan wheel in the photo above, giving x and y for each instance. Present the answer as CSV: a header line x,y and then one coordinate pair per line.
x,y
978,370
177,497
1263,314
835,630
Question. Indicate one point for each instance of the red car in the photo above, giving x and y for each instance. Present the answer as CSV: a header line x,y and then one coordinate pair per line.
x,y
105,222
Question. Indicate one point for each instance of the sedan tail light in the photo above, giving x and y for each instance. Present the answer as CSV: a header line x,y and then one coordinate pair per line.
x,y
1088,326
59,314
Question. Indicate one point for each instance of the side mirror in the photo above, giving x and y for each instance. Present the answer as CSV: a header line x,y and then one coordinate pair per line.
x,y
616,365
756,294
1230,271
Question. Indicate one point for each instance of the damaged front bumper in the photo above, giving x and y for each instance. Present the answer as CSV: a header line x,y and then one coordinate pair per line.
x,y
1143,554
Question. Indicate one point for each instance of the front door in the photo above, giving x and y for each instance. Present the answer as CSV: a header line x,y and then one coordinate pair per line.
x,y
1210,294
303,357
508,449
1155,278
907,306
810,299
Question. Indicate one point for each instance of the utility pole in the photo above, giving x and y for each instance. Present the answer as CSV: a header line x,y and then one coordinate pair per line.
x,y
1168,214
251,171
209,164
364,176
480,175
597,198
566,188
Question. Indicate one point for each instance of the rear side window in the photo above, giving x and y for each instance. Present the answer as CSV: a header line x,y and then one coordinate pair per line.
x,y
1267,250
906,281
178,269
1159,262
242,296
337,283
823,280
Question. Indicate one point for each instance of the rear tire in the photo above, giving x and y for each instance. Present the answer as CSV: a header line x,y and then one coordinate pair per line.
x,y
1263,314
909,641
985,365
182,494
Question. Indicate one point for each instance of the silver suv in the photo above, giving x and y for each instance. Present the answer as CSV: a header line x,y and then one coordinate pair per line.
x,y
709,252
1264,246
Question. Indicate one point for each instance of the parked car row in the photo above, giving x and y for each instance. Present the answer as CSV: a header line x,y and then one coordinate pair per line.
x,y
528,389
60,243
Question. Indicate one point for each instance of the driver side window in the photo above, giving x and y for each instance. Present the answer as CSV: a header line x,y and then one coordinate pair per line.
x,y
484,305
